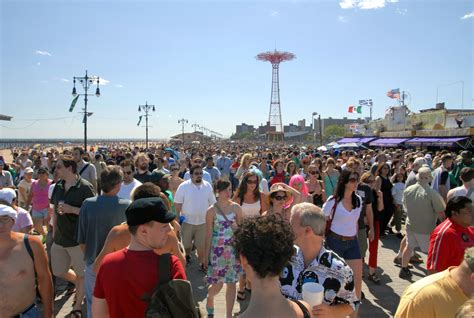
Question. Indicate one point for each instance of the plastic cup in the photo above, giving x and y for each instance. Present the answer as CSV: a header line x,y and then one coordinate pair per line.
x,y
60,206
313,294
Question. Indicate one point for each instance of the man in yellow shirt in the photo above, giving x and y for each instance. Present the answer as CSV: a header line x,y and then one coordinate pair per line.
x,y
439,295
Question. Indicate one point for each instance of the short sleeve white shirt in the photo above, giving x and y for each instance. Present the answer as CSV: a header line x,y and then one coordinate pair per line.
x,y
195,199
343,222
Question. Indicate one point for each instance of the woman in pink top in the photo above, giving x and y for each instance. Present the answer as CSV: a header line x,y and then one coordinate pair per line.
x,y
39,200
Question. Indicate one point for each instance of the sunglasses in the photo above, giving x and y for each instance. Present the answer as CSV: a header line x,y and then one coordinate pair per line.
x,y
280,197
354,180
314,172
175,169
252,181
197,174
128,172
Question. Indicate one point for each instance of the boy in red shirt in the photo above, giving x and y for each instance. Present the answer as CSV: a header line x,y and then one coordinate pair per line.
x,y
125,276
451,238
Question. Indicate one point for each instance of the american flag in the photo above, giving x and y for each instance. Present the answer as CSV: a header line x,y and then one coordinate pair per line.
x,y
366,102
394,93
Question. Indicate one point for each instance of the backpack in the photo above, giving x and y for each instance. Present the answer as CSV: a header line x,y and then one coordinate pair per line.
x,y
171,297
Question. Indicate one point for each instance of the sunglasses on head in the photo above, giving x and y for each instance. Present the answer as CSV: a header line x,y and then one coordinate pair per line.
x,y
280,197
252,181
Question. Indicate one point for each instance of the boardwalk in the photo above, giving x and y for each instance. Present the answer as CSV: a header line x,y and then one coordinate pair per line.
x,y
381,300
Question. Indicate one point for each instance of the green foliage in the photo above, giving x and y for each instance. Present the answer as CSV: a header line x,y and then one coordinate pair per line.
x,y
334,131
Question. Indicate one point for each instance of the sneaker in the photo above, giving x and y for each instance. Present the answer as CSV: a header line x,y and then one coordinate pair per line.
x,y
415,260
405,273
398,262
188,260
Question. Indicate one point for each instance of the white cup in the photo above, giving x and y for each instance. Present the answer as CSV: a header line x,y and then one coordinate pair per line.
x,y
313,294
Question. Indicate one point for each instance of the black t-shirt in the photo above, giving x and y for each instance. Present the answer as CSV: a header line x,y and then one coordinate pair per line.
x,y
144,177
365,192
444,178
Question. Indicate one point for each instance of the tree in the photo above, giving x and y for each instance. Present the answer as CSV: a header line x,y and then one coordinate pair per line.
x,y
334,131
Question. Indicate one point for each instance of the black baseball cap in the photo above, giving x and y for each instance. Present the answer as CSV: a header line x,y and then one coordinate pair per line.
x,y
144,210
156,176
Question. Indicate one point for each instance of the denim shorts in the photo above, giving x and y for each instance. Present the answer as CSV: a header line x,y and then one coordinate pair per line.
x,y
40,214
348,250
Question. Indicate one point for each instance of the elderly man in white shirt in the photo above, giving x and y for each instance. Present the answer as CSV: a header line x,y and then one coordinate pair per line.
x,y
192,200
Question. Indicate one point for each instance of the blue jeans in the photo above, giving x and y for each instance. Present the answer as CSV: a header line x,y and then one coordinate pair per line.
x,y
348,250
33,312
89,283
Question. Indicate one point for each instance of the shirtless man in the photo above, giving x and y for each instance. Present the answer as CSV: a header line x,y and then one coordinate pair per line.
x,y
17,271
119,236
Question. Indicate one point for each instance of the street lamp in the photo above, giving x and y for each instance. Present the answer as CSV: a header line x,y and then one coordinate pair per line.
x,y
320,128
86,82
182,121
146,108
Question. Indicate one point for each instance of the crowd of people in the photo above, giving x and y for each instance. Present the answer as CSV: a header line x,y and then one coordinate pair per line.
x,y
261,219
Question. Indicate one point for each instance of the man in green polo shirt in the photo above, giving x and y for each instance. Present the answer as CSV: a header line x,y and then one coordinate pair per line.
x,y
67,197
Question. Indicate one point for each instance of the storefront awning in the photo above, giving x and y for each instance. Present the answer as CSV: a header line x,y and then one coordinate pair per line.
x,y
386,142
435,141
361,140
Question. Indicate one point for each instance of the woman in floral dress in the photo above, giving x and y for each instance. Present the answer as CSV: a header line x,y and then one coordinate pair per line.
x,y
223,265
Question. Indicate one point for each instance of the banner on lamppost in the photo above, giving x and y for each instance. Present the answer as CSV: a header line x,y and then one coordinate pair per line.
x,y
73,103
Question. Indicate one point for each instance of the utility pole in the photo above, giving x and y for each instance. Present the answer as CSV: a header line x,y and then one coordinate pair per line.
x,y
86,82
182,121
146,108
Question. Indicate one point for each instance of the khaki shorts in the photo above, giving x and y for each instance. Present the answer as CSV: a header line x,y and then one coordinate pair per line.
x,y
196,233
63,257
363,244
418,240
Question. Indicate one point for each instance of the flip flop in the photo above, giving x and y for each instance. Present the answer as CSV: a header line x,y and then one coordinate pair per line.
x,y
76,313
241,295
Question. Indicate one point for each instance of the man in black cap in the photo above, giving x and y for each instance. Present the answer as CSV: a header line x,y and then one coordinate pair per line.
x,y
128,274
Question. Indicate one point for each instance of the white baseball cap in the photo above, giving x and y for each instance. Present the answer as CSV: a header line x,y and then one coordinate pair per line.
x,y
5,210
8,195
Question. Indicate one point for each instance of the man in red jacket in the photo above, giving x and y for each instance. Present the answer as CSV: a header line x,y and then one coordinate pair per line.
x,y
126,275
450,239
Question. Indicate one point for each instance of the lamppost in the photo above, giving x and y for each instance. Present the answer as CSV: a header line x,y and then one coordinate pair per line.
x,y
182,121
146,108
320,128
196,127
86,82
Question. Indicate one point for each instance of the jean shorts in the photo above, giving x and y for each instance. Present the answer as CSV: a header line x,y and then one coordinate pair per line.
x,y
39,214
348,250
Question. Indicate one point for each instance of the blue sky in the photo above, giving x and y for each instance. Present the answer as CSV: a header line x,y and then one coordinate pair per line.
x,y
196,60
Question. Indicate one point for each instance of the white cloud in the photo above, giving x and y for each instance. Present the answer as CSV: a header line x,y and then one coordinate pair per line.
x,y
468,16
274,13
65,80
44,53
347,4
119,85
364,4
342,19
102,81
371,4
401,11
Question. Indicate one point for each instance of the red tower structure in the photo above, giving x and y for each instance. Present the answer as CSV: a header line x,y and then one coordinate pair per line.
x,y
274,118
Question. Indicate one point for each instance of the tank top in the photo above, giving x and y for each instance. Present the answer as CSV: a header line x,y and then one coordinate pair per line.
x,y
40,195
250,209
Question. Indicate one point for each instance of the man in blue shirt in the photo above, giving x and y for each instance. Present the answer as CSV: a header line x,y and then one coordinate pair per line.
x,y
223,164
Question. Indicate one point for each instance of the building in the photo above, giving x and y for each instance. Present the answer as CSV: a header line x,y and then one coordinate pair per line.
x,y
244,128
196,136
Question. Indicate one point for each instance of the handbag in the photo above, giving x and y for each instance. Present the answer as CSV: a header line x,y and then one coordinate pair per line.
x,y
331,216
